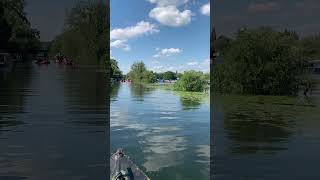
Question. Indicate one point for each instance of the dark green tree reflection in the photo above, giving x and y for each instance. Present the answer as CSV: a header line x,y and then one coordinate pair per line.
x,y
259,124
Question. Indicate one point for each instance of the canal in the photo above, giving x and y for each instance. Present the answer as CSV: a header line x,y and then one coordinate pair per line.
x,y
165,133
266,137
53,122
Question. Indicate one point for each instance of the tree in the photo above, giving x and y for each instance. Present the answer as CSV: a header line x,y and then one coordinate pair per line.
x,y
169,75
16,34
115,70
140,74
193,81
260,61
311,47
86,32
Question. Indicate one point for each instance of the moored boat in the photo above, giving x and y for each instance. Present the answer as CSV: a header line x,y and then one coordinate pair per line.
x,y
122,168
42,61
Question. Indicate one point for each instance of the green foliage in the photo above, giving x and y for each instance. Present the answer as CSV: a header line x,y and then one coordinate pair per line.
x,y
168,75
115,71
16,34
193,81
140,74
86,32
311,47
261,61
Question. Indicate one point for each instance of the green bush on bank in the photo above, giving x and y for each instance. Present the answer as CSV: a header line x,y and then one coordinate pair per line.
x,y
261,61
193,81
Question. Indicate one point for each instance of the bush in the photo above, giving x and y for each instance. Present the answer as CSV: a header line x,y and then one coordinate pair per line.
x,y
260,61
193,81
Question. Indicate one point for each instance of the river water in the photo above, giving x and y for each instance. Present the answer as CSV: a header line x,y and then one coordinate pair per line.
x,y
166,134
53,122
266,137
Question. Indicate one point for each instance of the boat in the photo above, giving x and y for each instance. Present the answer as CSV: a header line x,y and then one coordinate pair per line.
x,y
122,168
42,61
64,61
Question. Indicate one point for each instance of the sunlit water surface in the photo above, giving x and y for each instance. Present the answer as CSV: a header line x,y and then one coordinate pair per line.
x,y
165,134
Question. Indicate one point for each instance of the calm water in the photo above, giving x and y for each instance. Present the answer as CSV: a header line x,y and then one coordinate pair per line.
x,y
52,123
266,138
165,134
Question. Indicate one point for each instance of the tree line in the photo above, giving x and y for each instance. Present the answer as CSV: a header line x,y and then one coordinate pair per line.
x,y
264,61
16,34
85,35
194,81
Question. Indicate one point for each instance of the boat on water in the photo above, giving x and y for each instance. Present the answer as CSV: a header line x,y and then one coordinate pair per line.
x,y
122,168
42,61
64,61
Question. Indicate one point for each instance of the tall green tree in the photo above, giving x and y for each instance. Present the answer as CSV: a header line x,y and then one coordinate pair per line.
x,y
139,73
16,34
115,70
85,36
261,61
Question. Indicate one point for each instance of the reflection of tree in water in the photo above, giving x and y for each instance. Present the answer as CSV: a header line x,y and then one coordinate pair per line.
x,y
139,91
114,90
13,82
190,100
87,95
259,124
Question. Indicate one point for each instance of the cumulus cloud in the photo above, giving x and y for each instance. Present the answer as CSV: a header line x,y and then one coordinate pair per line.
x,y
205,9
171,16
193,63
168,2
167,52
203,66
141,28
120,36
263,7
121,44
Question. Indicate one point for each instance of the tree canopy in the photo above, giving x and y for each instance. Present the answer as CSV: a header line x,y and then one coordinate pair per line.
x,y
86,32
139,73
261,61
115,70
16,34
194,81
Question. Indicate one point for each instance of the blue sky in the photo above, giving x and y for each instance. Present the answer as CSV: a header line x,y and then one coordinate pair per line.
x,y
165,34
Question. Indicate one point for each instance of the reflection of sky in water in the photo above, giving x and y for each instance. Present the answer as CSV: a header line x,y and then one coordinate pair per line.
x,y
157,133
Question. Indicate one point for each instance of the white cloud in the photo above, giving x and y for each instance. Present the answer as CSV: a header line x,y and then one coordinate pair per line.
x,y
121,44
120,36
205,9
167,52
168,2
171,16
139,29
203,66
193,63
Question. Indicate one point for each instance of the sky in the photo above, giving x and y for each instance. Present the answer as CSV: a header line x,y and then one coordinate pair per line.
x,y
299,15
167,35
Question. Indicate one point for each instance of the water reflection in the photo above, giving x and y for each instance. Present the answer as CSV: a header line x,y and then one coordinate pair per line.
x,y
159,134
53,123
265,134
13,90
86,95
259,124
139,91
